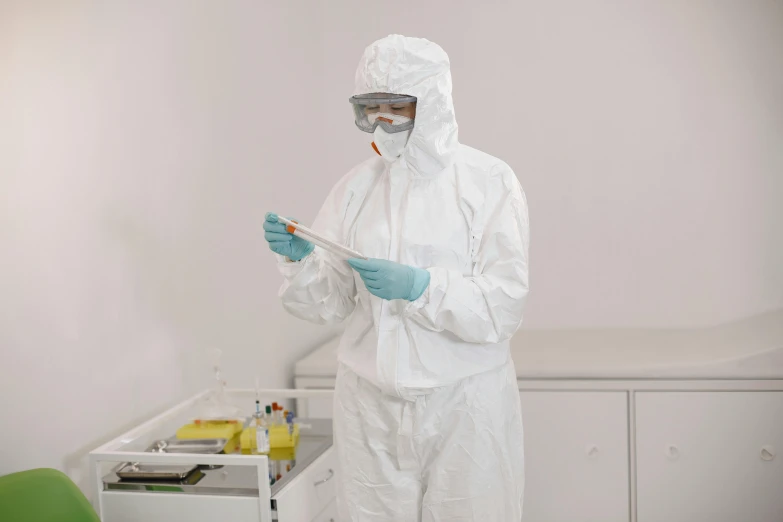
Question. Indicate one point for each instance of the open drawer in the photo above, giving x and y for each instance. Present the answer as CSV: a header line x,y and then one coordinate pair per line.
x,y
229,485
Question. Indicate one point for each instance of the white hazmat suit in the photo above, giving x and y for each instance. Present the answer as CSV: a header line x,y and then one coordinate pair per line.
x,y
427,415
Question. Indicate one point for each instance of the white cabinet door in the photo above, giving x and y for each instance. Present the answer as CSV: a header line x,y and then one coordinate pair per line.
x,y
709,456
329,514
576,456
310,491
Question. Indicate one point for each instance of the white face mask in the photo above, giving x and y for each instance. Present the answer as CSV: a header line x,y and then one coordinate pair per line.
x,y
391,145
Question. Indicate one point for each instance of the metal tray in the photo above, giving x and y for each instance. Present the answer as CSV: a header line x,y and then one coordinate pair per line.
x,y
137,471
202,446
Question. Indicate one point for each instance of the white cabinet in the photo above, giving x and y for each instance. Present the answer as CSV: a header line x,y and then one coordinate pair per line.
x,y
329,514
709,456
228,486
576,456
641,426
310,492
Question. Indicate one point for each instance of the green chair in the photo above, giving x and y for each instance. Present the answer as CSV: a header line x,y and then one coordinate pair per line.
x,y
43,495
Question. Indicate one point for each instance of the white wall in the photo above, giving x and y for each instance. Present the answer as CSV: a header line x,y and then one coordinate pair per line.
x,y
647,135
141,147
141,144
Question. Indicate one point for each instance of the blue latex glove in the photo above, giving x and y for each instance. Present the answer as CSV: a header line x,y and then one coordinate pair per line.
x,y
390,280
284,243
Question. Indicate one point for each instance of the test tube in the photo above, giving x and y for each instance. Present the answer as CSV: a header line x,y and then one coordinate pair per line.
x,y
289,418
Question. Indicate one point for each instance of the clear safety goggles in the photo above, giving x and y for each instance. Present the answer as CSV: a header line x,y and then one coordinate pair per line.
x,y
392,112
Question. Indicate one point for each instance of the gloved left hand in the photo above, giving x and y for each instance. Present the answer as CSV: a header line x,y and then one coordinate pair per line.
x,y
390,280
283,242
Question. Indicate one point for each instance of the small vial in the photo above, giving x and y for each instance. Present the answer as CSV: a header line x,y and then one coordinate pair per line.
x,y
262,430
289,419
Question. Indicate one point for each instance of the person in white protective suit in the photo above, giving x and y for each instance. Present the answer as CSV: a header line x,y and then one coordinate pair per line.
x,y
427,416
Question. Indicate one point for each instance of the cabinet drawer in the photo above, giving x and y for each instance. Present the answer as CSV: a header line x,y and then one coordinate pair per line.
x,y
310,492
709,456
329,514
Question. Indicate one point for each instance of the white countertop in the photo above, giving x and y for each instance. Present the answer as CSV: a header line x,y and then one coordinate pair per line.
x,y
748,349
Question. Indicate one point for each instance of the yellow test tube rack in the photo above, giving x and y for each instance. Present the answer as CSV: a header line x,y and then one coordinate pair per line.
x,y
279,437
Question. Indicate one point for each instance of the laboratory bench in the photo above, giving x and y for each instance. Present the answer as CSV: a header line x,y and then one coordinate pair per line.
x,y
640,425
230,485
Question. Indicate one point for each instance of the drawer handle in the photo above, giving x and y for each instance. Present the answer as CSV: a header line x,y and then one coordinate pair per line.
x,y
673,452
767,453
324,481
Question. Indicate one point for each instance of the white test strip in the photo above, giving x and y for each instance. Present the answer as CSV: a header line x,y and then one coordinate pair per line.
x,y
317,239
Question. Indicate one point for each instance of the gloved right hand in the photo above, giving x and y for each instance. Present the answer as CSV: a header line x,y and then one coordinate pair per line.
x,y
284,243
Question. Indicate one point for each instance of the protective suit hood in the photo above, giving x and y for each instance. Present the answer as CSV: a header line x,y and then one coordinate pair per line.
x,y
416,67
